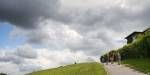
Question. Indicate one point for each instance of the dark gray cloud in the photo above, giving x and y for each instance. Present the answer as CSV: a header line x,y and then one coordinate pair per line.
x,y
27,13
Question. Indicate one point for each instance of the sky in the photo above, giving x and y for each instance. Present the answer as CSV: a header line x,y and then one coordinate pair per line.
x,y
42,34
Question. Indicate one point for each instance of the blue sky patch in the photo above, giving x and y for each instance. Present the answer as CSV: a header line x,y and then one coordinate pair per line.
x,y
5,40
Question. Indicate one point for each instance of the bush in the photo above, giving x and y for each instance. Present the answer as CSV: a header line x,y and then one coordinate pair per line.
x,y
138,49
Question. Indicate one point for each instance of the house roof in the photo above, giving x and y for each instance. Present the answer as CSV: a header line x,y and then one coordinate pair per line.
x,y
136,32
133,34
146,30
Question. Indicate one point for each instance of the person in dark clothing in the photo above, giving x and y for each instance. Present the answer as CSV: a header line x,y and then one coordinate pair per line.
x,y
102,59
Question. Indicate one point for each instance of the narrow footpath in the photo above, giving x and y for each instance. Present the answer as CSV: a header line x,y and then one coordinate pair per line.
x,y
114,69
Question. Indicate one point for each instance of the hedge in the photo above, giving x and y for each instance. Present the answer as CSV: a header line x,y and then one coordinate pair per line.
x,y
137,49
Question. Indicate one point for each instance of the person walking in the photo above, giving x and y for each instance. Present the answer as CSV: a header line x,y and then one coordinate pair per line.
x,y
107,59
111,56
102,59
118,58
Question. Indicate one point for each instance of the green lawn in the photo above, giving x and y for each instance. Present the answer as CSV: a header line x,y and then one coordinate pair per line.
x,y
142,65
92,68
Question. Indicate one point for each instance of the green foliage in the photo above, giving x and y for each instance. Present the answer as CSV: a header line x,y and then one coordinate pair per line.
x,y
92,68
138,64
138,49
147,32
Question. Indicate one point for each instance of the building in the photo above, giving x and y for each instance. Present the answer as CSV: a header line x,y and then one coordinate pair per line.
x,y
133,36
147,31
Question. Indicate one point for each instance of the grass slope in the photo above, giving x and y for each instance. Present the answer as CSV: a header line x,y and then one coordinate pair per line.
x,y
92,68
142,65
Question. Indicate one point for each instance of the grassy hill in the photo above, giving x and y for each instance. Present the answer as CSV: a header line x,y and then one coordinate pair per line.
x,y
142,65
91,68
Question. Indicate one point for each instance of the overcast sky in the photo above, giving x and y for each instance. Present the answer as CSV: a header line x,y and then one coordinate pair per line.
x,y
41,34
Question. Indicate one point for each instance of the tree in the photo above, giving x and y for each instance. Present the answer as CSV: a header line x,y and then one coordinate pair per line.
x,y
3,74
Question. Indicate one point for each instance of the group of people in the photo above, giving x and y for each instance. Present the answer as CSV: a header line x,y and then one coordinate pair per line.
x,y
111,58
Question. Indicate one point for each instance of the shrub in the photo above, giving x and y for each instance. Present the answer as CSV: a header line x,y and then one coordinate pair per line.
x,y
138,49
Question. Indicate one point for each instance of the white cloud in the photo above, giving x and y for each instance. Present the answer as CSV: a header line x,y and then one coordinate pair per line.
x,y
10,68
86,4
19,64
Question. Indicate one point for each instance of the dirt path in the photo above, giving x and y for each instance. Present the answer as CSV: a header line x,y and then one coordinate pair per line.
x,y
114,69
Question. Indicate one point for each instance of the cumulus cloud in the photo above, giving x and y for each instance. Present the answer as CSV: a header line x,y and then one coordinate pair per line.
x,y
18,55
59,36
27,13
26,51
10,57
